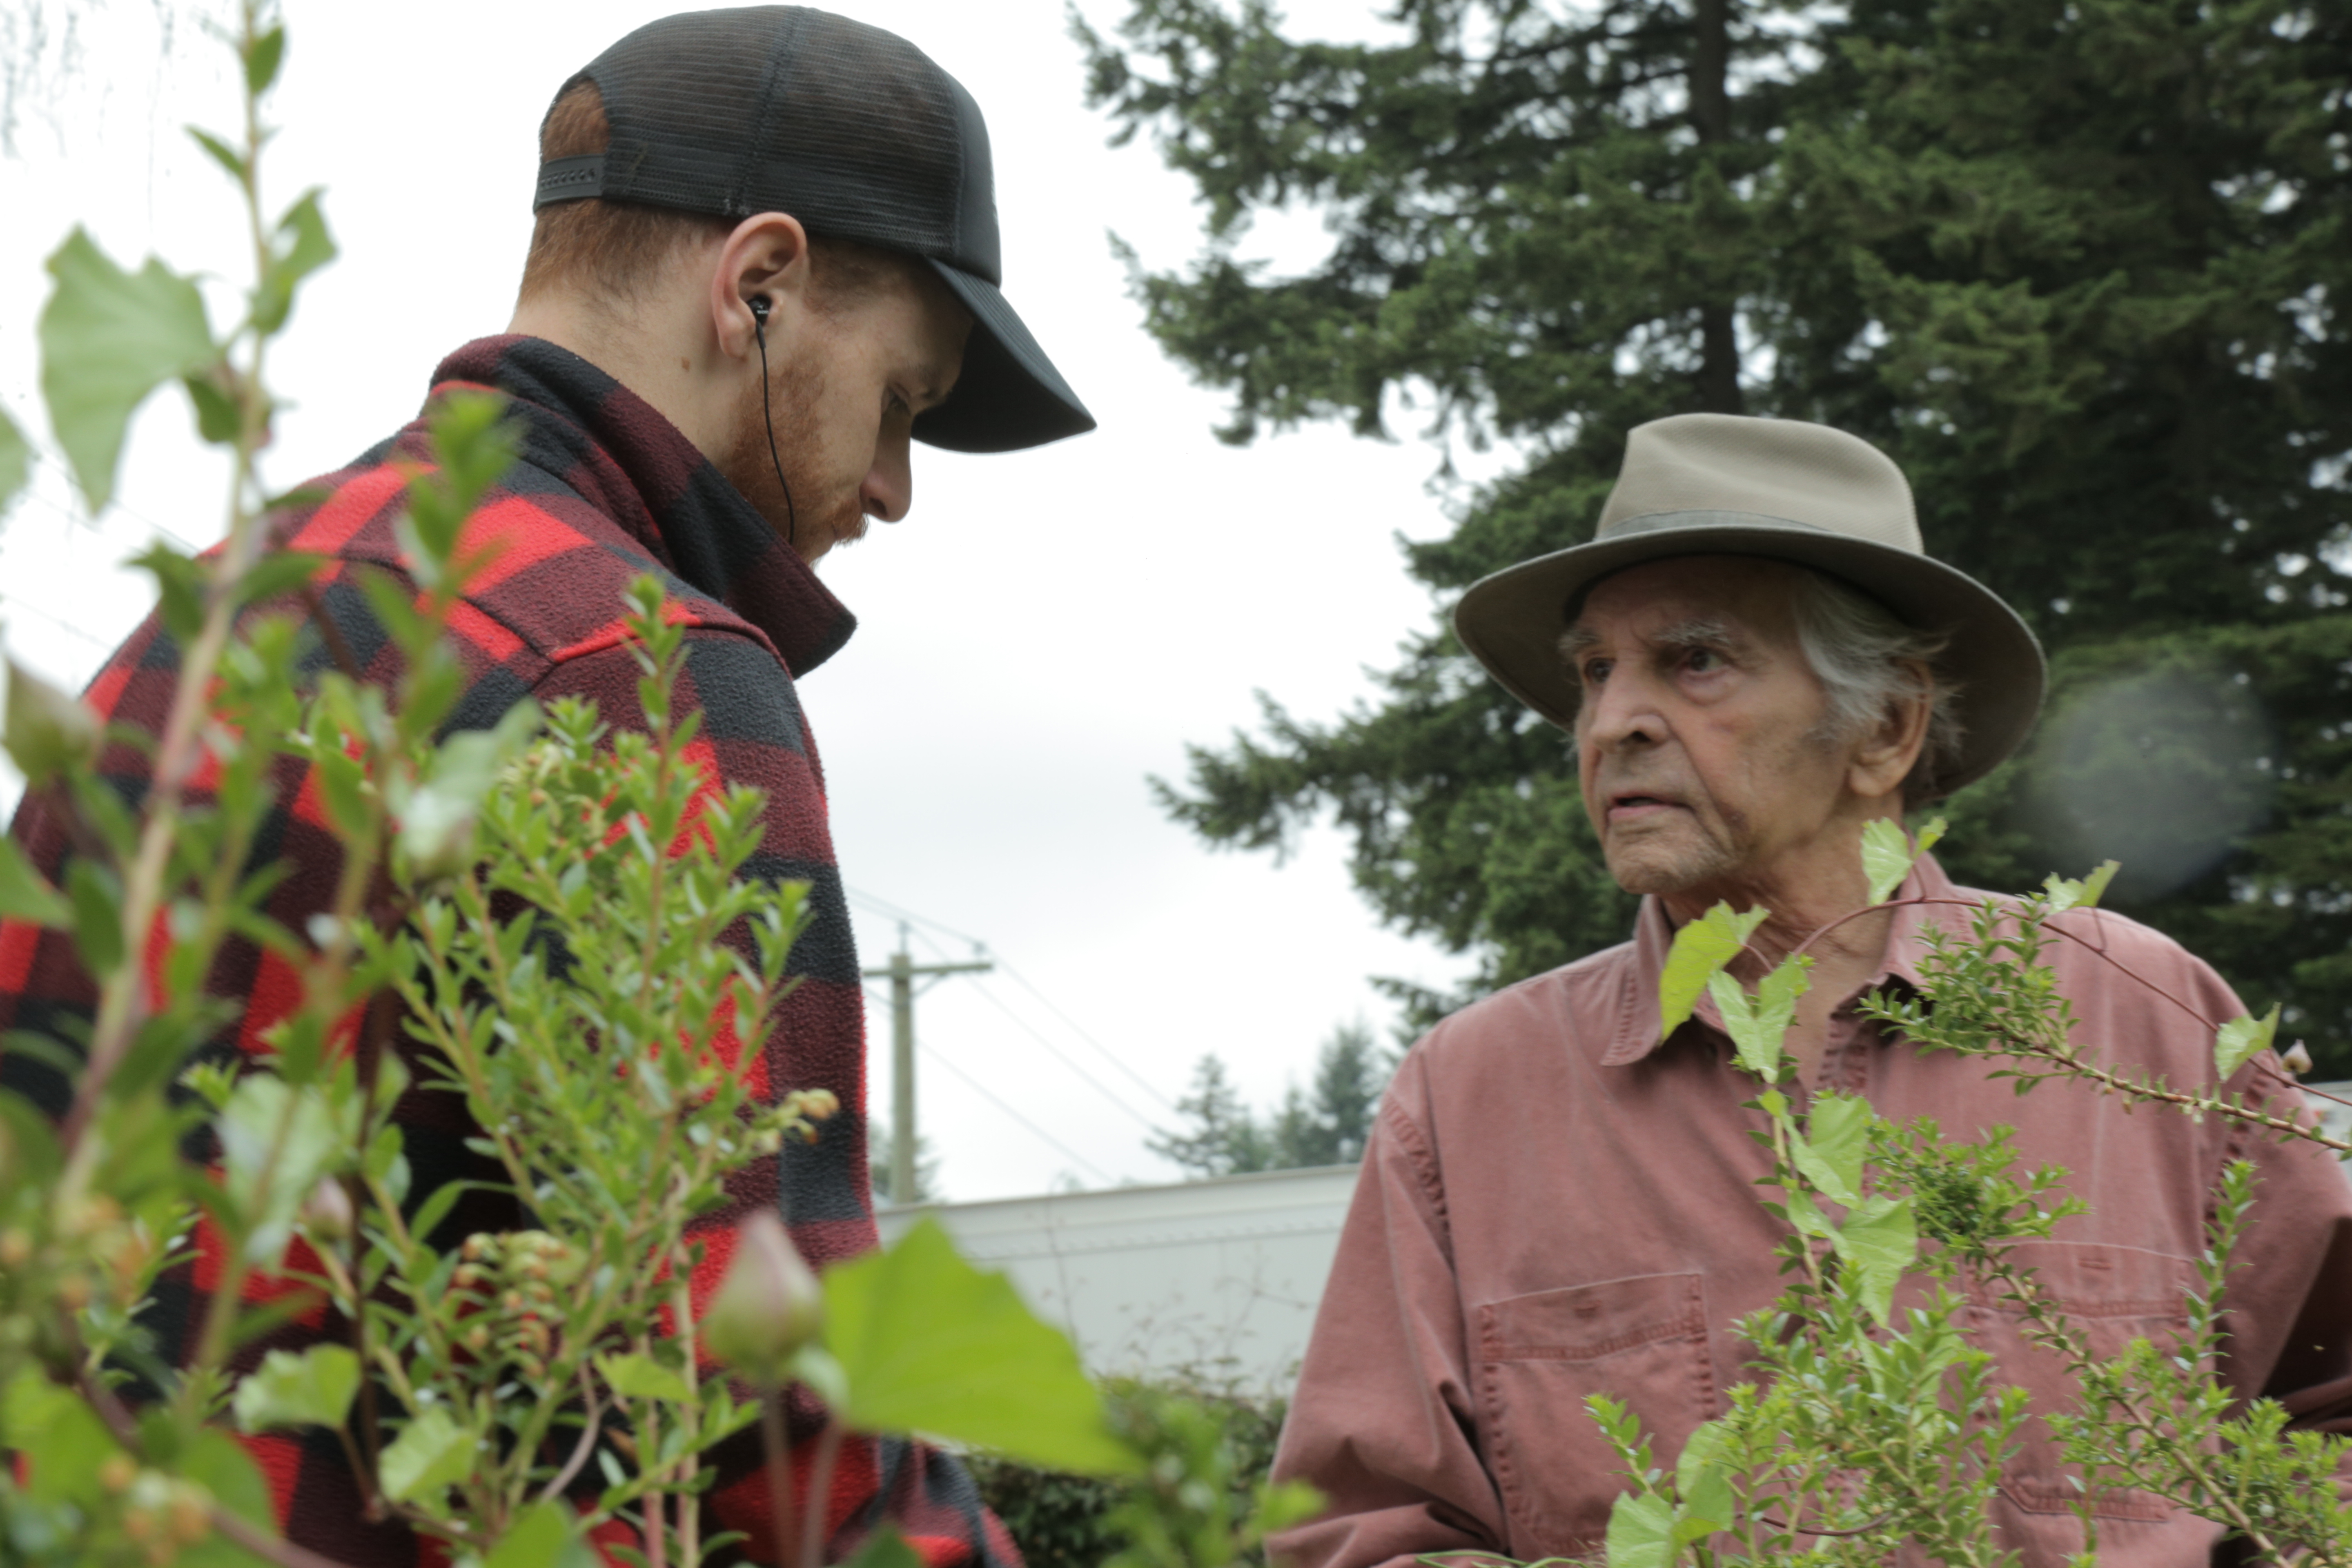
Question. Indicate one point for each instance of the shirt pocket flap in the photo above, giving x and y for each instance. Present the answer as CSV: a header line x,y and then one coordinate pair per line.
x,y
1587,1322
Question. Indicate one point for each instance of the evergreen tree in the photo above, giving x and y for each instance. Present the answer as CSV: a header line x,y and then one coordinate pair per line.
x,y
1225,1139
2076,264
1325,1126
878,1156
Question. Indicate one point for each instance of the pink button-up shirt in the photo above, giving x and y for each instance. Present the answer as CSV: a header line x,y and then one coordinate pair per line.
x,y
1554,1204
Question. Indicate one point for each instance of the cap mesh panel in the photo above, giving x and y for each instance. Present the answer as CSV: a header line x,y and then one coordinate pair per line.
x,y
857,138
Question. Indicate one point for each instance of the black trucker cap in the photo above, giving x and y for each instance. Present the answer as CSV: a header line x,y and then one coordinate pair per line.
x,y
857,134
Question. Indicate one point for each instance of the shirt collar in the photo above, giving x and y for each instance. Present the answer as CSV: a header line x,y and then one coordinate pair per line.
x,y
1654,938
623,458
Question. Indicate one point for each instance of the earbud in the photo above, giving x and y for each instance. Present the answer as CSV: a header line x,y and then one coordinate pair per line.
x,y
759,307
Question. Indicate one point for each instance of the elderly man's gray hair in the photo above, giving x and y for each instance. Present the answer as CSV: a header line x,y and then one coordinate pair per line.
x,y
1867,661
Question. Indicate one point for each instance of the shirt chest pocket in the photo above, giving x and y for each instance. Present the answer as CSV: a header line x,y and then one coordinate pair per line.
x,y
2112,1295
1640,1340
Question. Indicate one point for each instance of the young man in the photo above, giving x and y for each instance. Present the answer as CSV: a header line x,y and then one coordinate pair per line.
x,y
766,259
1756,660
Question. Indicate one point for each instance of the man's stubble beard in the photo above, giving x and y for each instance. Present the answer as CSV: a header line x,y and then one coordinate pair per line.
x,y
811,514
1666,864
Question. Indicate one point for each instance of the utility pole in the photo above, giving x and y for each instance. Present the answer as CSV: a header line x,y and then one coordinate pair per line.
x,y
901,974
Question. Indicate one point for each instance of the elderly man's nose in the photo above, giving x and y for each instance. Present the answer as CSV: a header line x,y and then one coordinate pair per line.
x,y
1623,710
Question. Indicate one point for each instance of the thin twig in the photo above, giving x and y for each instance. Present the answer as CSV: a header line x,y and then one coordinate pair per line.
x,y
591,1423
778,1465
818,1512
261,1543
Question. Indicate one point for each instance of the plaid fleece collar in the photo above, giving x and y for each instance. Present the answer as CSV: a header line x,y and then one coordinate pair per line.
x,y
621,456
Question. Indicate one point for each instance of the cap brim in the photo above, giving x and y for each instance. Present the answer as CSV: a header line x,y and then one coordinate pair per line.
x,y
1511,620
1009,394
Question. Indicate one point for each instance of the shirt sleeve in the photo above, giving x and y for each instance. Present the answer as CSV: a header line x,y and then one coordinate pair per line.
x,y
2290,1295
1382,1422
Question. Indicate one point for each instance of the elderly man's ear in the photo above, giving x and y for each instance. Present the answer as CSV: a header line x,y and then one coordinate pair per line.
x,y
1886,756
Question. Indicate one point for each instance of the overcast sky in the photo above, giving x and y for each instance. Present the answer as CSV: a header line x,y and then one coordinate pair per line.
x,y
1045,631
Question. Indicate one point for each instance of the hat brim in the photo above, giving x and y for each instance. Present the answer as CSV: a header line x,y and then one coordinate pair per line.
x,y
1511,620
1009,394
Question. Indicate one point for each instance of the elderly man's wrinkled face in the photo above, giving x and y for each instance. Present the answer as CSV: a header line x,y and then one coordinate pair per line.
x,y
1699,745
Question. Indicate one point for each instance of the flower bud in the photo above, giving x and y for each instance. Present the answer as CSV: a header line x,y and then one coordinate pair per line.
x,y
45,731
327,1211
768,1307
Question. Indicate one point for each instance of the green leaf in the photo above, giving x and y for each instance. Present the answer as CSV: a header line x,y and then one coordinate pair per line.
x,y
226,156
16,461
45,731
300,248
931,1344
2239,1039
309,1134
1758,1026
218,419
885,1548
546,1535
437,815
641,1377
1831,1149
431,1452
221,1465
1701,948
263,60
312,1389
1888,854
2063,895
26,895
1641,1531
97,900
1700,1483
109,338
38,1416
1879,1241
280,572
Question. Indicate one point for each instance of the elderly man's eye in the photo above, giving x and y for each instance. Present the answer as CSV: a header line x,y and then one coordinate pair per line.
x,y
1595,672
1702,661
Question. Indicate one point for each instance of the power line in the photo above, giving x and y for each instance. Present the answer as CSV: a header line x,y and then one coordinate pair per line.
x,y
93,523
990,1095
1023,980
883,906
59,622
1093,1082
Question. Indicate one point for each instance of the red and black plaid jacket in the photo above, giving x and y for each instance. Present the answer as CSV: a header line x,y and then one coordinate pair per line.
x,y
604,489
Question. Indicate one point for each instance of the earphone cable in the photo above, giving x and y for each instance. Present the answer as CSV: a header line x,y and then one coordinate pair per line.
x,y
768,415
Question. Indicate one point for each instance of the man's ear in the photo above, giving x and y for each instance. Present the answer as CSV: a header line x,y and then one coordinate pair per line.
x,y
1886,754
767,257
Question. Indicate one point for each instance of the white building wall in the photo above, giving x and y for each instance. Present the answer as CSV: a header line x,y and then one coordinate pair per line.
x,y
1219,1277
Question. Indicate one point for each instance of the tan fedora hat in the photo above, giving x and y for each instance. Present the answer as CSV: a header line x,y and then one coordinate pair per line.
x,y
1722,484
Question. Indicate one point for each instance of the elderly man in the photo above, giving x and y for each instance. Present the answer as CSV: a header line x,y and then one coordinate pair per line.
x,y
1756,660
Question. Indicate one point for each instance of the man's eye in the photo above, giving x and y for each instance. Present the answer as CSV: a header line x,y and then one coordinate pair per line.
x,y
1701,661
1596,670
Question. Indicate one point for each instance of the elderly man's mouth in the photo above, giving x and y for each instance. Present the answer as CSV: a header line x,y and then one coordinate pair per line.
x,y
1634,808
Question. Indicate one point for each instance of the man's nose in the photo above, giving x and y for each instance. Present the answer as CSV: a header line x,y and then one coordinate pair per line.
x,y
1623,711
890,488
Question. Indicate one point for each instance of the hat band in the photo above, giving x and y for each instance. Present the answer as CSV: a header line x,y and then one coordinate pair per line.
x,y
1667,521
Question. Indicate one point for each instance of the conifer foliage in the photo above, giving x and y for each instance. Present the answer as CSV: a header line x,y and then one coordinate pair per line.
x,y
2078,267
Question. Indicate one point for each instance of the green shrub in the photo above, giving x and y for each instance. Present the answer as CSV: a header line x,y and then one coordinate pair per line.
x,y
1209,1445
